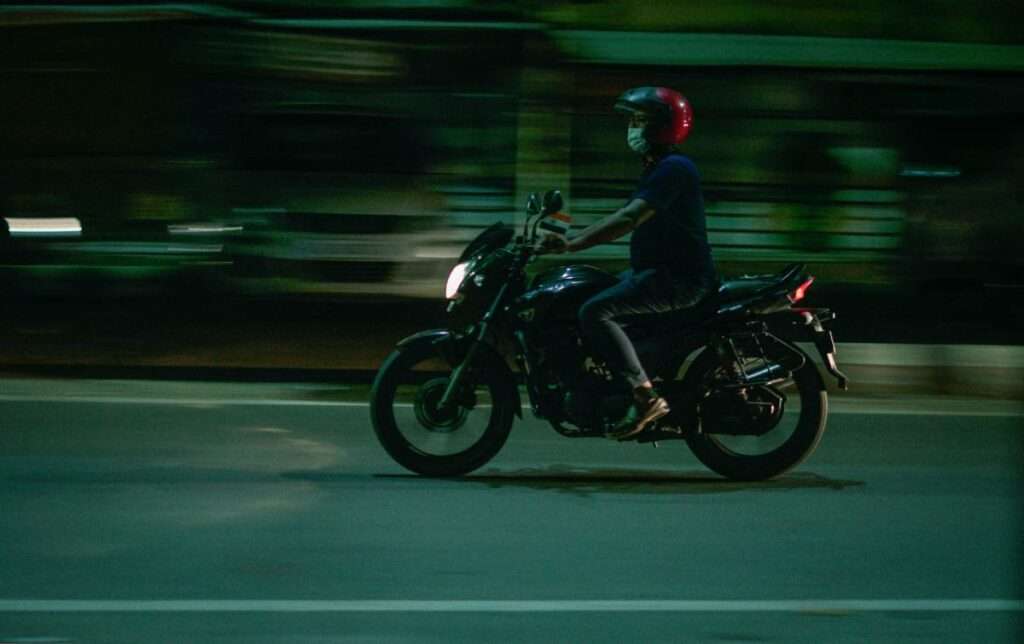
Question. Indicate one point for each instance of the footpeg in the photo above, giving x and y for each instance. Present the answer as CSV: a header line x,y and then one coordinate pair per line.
x,y
659,434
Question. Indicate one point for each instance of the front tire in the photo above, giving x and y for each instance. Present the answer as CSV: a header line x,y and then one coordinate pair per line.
x,y
433,442
785,446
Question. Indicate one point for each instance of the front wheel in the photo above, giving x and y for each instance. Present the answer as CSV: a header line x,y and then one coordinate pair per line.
x,y
782,423
430,440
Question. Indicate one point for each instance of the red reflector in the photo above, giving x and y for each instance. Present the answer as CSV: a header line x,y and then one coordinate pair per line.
x,y
801,290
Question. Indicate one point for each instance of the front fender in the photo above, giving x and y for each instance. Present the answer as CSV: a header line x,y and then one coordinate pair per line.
x,y
449,348
452,349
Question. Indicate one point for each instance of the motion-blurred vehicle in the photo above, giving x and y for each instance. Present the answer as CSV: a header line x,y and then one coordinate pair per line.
x,y
751,404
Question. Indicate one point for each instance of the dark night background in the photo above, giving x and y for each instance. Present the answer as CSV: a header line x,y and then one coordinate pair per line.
x,y
217,219
253,169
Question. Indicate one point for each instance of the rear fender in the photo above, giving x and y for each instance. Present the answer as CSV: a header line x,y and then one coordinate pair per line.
x,y
815,322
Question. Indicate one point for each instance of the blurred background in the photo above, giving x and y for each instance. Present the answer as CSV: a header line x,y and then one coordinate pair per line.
x,y
212,179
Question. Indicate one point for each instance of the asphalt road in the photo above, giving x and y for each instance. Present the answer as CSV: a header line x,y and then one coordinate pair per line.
x,y
136,512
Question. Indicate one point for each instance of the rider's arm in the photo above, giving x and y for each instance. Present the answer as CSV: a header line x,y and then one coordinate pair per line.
x,y
625,220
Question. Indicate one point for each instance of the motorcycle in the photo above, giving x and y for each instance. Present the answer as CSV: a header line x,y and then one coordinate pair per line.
x,y
749,402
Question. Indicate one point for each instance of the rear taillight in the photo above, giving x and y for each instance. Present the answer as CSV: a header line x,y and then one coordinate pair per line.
x,y
801,290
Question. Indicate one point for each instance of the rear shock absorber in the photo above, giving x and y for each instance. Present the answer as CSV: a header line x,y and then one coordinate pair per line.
x,y
728,357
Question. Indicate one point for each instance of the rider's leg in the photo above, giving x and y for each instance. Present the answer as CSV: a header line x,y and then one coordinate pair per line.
x,y
633,295
643,293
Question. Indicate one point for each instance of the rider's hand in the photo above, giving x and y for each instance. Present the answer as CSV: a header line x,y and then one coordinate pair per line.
x,y
551,245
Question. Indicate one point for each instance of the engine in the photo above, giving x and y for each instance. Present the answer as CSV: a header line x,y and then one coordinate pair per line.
x,y
575,389
594,402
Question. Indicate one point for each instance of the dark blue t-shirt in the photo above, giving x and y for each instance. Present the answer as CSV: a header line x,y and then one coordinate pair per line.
x,y
676,238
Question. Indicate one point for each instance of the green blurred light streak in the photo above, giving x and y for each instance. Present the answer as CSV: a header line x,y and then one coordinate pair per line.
x,y
660,49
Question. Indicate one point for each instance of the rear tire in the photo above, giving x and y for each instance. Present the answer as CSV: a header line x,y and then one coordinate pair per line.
x,y
712,450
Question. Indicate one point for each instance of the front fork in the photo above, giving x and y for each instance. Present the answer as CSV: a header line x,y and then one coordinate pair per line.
x,y
451,392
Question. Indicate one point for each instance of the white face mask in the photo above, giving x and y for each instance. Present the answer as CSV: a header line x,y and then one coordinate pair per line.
x,y
637,142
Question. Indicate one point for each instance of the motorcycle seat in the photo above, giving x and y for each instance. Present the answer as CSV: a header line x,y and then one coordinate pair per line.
x,y
674,320
728,291
747,285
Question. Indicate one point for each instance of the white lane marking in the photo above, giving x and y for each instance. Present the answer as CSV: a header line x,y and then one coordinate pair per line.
x,y
124,400
883,411
509,606
838,408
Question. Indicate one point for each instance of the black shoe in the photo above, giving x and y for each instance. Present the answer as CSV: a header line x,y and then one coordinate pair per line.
x,y
639,416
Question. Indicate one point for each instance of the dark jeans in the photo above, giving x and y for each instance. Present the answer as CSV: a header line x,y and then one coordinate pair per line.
x,y
647,292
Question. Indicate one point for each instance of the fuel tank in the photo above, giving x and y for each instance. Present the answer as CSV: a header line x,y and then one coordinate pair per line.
x,y
558,293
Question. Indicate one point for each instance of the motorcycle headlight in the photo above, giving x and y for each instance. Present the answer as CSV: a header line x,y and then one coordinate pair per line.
x,y
455,278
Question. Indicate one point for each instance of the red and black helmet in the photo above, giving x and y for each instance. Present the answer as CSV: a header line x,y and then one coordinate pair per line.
x,y
668,111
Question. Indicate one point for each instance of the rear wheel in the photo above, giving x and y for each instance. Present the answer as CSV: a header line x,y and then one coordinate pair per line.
x,y
758,432
422,436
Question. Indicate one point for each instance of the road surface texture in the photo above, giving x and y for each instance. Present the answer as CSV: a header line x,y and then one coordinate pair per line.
x,y
172,512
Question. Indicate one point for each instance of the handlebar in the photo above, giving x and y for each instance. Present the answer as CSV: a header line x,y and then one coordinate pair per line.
x,y
526,244
527,249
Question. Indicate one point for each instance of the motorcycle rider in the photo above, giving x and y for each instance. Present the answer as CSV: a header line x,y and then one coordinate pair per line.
x,y
670,258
